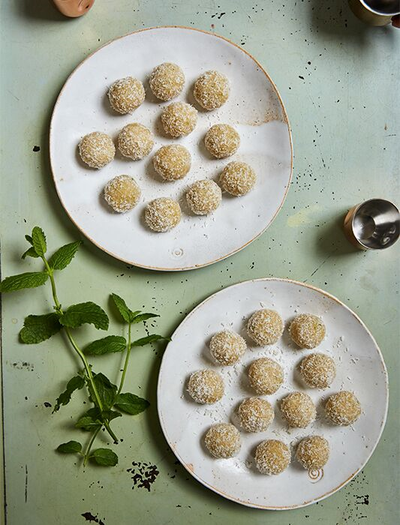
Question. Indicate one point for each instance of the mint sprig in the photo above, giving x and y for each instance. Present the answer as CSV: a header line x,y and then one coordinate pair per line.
x,y
108,401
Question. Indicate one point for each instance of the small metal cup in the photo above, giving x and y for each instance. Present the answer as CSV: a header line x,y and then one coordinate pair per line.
x,y
372,225
375,12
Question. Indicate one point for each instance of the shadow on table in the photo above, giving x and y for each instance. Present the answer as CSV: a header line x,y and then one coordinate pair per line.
x,y
331,239
39,9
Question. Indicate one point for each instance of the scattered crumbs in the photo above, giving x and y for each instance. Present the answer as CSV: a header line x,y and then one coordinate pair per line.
x,y
89,517
143,474
47,404
36,149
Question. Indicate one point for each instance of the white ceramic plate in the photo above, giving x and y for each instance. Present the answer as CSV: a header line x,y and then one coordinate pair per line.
x,y
254,109
360,368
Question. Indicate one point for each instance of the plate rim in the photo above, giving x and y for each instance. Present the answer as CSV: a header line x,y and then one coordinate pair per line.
x,y
330,492
196,266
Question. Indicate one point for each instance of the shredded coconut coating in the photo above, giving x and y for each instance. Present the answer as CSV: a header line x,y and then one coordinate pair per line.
x,y
227,347
265,327
178,119
166,81
203,197
317,370
222,140
272,457
307,330
135,141
237,178
163,214
211,90
126,94
206,386
265,376
96,149
223,440
313,452
343,408
255,414
172,162
298,409
122,193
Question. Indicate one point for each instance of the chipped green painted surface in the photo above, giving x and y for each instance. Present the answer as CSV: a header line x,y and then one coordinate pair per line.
x,y
339,80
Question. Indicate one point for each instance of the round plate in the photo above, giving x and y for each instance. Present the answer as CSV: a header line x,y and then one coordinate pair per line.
x,y
254,109
360,368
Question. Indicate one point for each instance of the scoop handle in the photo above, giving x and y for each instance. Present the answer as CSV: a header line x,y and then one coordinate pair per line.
x,y
73,8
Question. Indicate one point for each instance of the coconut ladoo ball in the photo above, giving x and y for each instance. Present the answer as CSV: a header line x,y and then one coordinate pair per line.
x,y
307,330
178,119
265,376
135,141
227,347
166,81
237,178
272,457
172,162
298,409
162,214
122,193
211,90
222,140
206,387
255,414
265,327
203,197
223,440
126,94
96,149
343,408
313,452
317,370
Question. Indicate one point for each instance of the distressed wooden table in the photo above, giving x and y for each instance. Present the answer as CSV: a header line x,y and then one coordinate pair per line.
x,y
339,81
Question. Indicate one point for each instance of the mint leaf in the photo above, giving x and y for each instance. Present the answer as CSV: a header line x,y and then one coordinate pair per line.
x,y
76,383
107,345
104,457
62,257
122,308
131,404
30,252
23,280
29,239
109,415
71,447
79,314
142,317
38,328
88,422
39,241
105,389
149,339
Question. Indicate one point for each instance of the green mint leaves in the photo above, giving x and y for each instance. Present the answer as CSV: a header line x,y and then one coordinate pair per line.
x,y
107,345
131,404
39,241
76,383
106,398
71,447
104,457
38,328
85,313
23,280
62,257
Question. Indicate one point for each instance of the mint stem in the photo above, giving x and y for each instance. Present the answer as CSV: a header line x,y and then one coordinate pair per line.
x,y
89,447
76,347
128,352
